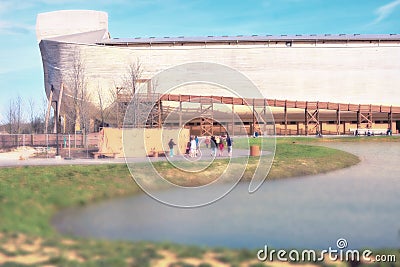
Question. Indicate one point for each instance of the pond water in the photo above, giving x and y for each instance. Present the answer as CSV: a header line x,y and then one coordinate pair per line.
x,y
360,204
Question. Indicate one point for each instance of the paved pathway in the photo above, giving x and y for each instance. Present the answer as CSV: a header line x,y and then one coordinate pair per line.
x,y
13,161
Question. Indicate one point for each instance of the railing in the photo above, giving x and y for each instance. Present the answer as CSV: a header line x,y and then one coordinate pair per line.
x,y
280,131
48,140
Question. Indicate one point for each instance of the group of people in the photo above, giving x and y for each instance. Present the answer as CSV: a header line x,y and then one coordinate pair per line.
x,y
218,143
193,146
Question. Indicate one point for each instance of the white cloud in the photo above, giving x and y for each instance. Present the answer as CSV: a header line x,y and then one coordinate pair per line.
x,y
10,7
4,6
11,22
12,28
384,11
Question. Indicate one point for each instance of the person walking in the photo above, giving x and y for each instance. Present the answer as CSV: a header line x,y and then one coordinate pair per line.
x,y
207,141
188,148
213,146
221,148
217,140
193,148
229,143
171,145
197,145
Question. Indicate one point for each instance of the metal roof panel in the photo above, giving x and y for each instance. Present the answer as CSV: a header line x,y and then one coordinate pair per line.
x,y
255,38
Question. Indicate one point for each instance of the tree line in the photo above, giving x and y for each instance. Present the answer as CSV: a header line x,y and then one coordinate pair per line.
x,y
22,116
25,116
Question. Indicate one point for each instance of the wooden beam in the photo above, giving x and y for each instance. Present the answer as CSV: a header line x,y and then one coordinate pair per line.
x,y
265,114
338,120
48,111
365,112
159,118
233,120
281,103
306,119
60,95
254,117
285,116
180,111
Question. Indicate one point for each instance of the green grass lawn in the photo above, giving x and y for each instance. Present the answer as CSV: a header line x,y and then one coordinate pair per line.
x,y
242,142
29,196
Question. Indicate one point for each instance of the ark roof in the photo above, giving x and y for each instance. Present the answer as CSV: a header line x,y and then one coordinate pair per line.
x,y
254,38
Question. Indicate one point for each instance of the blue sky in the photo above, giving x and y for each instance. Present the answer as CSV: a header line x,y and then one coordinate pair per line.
x,y
20,63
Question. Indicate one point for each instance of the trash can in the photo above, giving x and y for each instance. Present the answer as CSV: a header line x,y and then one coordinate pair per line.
x,y
255,151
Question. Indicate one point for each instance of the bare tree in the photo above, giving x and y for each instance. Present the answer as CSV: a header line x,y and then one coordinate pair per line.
x,y
10,117
80,109
101,106
105,108
34,123
14,115
129,94
37,115
144,110
18,113
42,113
112,108
132,76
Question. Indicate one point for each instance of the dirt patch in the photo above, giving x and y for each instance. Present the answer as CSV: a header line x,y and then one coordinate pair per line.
x,y
25,259
21,153
68,242
168,258
35,246
74,256
20,249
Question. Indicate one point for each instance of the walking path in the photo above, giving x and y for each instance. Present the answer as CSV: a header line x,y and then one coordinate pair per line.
x,y
22,157
13,159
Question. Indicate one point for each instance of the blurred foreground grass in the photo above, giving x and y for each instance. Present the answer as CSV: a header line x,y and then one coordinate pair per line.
x,y
29,196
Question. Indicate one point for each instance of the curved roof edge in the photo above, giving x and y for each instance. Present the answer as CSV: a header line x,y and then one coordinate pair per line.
x,y
69,22
255,38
